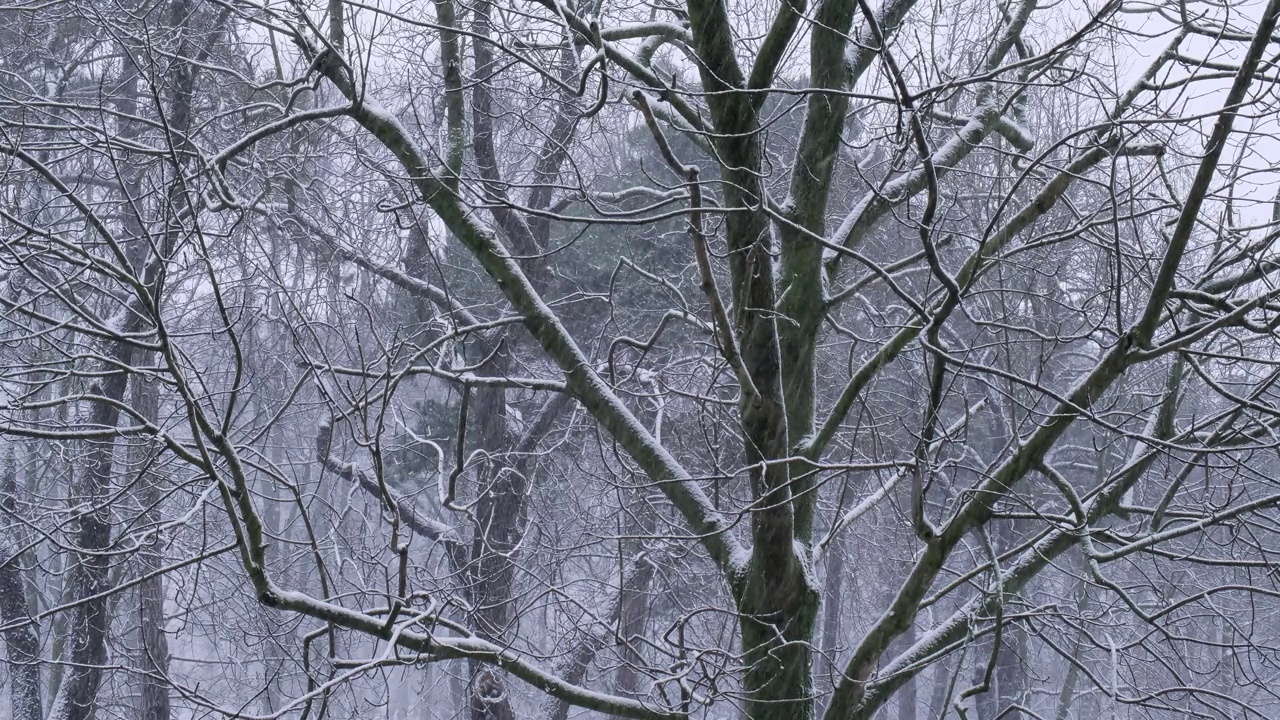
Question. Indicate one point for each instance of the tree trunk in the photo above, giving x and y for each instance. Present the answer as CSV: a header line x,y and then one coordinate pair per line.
x,y
1012,671
986,704
777,623
832,606
22,644
91,534
153,658
942,687
273,662
907,696
633,603
500,522
1011,674
1066,698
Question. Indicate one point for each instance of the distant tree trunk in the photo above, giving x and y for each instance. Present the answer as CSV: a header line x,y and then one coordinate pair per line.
x,y
500,521
153,658
639,520
1011,672
832,606
635,613
154,655
941,688
633,607
907,695
22,644
91,535
274,661
986,704
500,509
1067,697
91,489
91,482
459,682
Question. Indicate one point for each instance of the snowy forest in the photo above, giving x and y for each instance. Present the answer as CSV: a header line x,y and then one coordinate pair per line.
x,y
667,359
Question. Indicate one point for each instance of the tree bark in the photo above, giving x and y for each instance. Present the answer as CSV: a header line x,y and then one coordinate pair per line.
x,y
832,607
633,602
500,522
1011,675
907,696
941,688
22,643
153,658
91,487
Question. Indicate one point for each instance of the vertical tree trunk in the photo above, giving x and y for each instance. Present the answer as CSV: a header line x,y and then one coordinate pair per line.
x,y
489,697
633,603
1011,670
832,607
91,535
1066,698
907,696
500,518
153,658
779,676
986,704
91,484
273,663
941,688
22,644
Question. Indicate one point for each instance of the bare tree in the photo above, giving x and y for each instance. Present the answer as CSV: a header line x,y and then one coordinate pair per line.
x,y
653,361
